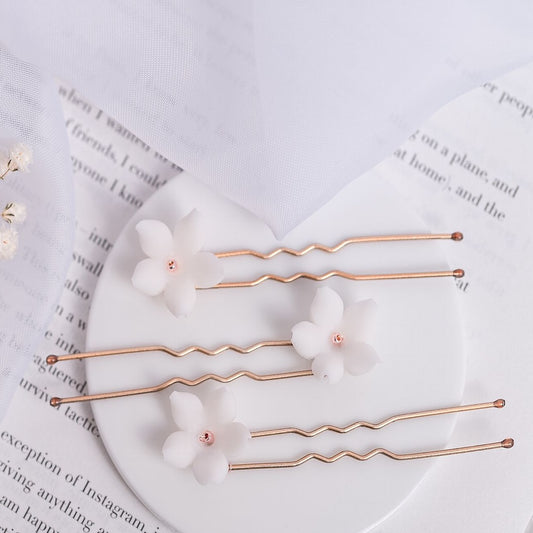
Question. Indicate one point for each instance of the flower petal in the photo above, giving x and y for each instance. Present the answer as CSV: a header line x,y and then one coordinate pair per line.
x,y
361,358
232,439
189,234
155,239
359,321
328,367
308,339
206,269
150,277
187,411
8,243
180,295
180,449
327,308
219,407
210,466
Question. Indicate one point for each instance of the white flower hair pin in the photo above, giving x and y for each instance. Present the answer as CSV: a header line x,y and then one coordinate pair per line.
x,y
209,439
175,265
208,436
336,340
19,158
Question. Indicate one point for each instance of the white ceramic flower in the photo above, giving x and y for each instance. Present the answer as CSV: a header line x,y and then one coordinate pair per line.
x,y
337,340
208,436
175,265
14,213
20,157
8,242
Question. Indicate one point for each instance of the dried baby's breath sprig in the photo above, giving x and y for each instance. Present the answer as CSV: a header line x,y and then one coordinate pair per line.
x,y
14,213
8,242
19,159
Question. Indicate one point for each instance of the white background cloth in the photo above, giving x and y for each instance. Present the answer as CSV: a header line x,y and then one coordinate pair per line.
x,y
31,283
277,104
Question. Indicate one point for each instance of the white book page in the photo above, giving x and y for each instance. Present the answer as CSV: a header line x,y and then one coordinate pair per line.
x,y
470,168
55,475
53,466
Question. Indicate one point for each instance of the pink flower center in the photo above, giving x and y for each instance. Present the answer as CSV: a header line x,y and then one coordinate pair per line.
x,y
207,438
172,265
337,338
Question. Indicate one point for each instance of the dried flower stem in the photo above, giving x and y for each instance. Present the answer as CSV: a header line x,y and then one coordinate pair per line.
x,y
6,214
14,212
6,172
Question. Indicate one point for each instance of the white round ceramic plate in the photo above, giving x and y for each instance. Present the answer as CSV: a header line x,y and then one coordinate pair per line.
x,y
419,342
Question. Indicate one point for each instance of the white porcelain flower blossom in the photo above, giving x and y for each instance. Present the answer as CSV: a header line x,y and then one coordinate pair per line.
x,y
208,436
337,339
14,213
175,265
8,242
20,157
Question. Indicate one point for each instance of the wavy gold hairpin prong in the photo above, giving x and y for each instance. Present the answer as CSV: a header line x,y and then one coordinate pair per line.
x,y
498,404
455,236
55,401
211,464
456,273
243,350
506,443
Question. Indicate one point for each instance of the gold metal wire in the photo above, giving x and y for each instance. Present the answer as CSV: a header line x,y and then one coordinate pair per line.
x,y
455,236
498,404
457,273
181,381
506,443
52,358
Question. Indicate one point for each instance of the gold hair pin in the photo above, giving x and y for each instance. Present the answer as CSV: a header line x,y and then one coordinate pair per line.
x,y
212,459
457,273
175,266
335,340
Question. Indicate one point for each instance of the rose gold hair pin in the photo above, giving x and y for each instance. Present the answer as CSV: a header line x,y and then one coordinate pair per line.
x,y
175,266
335,339
213,458
457,273
505,443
